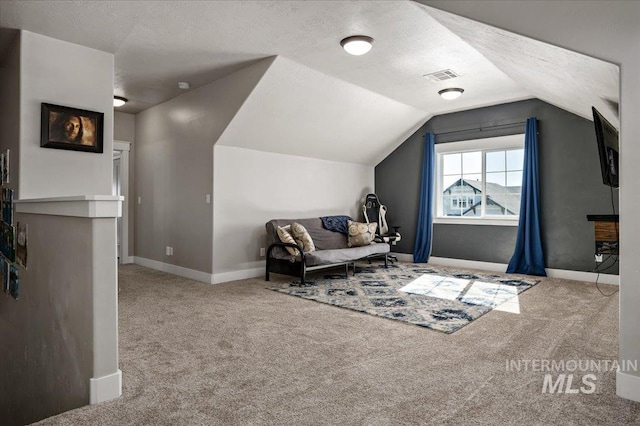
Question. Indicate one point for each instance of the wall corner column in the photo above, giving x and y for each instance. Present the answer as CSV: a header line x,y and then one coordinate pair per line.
x,y
98,214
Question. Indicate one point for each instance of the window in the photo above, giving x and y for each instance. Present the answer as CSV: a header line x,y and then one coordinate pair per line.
x,y
479,181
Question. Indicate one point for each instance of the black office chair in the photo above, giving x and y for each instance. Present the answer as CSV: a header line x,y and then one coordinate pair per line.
x,y
375,212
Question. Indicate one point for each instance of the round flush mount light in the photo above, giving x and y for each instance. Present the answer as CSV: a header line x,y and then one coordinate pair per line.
x,y
451,93
118,101
357,45
184,85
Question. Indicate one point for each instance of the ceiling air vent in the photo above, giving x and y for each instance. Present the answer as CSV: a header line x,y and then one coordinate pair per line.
x,y
442,75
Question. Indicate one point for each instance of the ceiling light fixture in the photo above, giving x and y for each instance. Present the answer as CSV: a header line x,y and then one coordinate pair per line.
x,y
118,101
451,93
184,85
357,45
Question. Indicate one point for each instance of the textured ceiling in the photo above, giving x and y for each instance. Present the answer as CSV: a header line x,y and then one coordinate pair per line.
x,y
566,79
157,44
315,100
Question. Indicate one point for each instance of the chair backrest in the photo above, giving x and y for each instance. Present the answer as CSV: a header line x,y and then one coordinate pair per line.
x,y
374,212
371,208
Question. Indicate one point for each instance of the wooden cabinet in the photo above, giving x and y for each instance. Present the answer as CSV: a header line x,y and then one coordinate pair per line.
x,y
606,232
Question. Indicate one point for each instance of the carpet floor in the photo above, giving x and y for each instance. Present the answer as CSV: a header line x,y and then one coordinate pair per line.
x,y
238,353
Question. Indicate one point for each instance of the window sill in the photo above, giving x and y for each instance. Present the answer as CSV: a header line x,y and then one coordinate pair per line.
x,y
472,221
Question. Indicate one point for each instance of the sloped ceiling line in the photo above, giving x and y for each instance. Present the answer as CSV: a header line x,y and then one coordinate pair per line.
x,y
569,80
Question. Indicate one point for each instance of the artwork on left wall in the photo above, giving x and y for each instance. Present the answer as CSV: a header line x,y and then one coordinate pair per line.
x,y
9,272
21,245
71,128
14,281
7,241
4,274
4,168
7,205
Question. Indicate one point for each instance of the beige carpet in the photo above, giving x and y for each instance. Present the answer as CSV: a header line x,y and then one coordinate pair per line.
x,y
236,353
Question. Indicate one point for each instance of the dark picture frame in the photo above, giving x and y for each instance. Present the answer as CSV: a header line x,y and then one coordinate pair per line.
x,y
71,128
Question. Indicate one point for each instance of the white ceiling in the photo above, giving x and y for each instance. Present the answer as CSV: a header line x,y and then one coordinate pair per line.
x,y
567,79
348,123
367,103
157,44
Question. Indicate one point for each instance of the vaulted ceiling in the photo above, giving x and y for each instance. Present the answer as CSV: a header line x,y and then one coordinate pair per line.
x,y
315,95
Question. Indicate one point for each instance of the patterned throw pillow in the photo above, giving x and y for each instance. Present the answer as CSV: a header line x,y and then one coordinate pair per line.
x,y
302,237
285,237
361,234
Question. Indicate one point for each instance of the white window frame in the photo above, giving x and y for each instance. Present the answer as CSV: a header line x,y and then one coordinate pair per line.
x,y
487,144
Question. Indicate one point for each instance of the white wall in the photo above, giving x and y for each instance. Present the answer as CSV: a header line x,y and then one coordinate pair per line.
x,y
253,187
611,31
66,74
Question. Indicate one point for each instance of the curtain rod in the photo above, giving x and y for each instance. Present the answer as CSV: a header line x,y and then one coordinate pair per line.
x,y
482,128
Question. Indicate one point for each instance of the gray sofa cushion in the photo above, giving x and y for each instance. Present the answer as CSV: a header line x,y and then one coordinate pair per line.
x,y
331,247
344,255
323,239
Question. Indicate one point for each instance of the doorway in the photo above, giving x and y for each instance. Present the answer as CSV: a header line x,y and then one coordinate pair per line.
x,y
121,188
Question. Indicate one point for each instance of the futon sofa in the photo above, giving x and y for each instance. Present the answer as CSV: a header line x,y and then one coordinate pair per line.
x,y
332,250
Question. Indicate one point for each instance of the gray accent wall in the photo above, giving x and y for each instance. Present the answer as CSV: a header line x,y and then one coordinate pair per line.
x,y
124,127
46,335
174,169
10,103
570,186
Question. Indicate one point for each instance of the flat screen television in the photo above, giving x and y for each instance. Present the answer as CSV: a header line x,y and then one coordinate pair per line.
x,y
607,137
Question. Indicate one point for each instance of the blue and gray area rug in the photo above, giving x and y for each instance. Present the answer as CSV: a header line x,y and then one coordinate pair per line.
x,y
439,298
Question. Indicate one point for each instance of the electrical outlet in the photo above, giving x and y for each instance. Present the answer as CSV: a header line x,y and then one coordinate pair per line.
x,y
262,252
207,199
168,251
139,200
598,258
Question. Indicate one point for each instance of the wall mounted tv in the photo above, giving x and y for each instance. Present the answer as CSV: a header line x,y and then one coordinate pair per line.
x,y
607,137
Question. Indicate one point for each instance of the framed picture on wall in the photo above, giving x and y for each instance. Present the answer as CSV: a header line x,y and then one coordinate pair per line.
x,y
4,274
21,244
4,170
70,128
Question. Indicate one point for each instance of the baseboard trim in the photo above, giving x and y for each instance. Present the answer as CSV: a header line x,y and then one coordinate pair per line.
x,y
242,274
105,388
192,274
551,273
473,264
590,277
173,269
627,386
128,259
403,257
